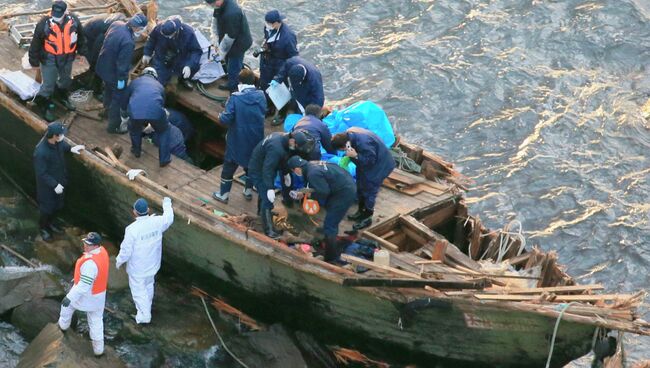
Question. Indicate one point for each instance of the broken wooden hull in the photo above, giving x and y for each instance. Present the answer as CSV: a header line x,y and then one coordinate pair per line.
x,y
461,330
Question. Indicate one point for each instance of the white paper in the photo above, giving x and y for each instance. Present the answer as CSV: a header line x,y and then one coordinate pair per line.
x,y
279,94
25,61
22,84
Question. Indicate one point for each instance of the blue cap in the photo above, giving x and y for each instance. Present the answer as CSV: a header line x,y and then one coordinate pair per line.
x,y
55,128
92,238
273,16
296,161
58,9
138,21
297,74
141,207
168,28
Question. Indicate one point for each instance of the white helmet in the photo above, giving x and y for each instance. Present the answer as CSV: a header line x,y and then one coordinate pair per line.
x,y
150,71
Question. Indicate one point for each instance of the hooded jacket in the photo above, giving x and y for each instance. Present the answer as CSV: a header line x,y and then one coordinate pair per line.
x,y
50,168
114,60
268,157
244,117
145,100
182,50
374,161
230,20
310,90
317,129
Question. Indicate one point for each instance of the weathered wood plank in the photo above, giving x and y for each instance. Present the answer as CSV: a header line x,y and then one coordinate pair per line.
x,y
377,267
552,289
383,242
558,298
413,283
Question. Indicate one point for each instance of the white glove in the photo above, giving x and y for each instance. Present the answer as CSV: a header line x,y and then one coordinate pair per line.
x,y
77,149
59,189
133,173
118,265
148,129
186,72
287,180
166,200
73,37
146,59
270,194
295,194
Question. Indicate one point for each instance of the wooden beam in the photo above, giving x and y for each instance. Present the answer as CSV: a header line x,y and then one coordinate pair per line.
x,y
415,283
418,227
439,217
558,298
43,11
383,242
552,289
378,267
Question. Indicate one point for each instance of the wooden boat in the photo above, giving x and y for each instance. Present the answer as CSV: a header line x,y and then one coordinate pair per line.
x,y
434,298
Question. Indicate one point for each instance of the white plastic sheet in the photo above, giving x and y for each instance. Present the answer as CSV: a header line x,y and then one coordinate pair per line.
x,y
22,84
209,72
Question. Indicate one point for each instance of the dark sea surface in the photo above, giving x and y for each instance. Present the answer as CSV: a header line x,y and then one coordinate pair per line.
x,y
539,102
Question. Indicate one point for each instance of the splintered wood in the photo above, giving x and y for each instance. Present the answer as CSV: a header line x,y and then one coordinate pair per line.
x,y
347,356
224,307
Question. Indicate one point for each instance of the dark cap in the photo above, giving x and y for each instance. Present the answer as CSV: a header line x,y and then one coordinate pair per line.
x,y
138,21
297,74
92,238
168,29
141,207
300,137
58,9
55,128
273,16
296,161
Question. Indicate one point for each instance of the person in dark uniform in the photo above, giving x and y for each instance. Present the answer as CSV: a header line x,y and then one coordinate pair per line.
x,y
144,103
280,44
318,130
181,121
232,36
57,38
334,189
51,176
244,117
173,49
176,142
268,158
374,163
304,80
114,65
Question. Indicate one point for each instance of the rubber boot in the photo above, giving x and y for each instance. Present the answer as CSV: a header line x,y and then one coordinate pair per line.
x,y
98,347
63,96
48,111
360,212
267,223
332,251
223,198
365,221
248,194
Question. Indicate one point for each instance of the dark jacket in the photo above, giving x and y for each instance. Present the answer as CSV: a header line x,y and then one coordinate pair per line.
x,y
328,181
145,100
183,49
278,51
319,131
244,117
114,61
50,169
269,156
310,91
95,31
232,21
176,141
179,120
374,161
37,53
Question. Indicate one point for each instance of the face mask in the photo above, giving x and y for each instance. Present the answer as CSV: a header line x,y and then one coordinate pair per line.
x,y
137,34
60,139
268,26
58,20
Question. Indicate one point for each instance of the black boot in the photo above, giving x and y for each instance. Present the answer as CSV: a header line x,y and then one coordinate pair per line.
x,y
332,250
360,212
364,221
63,96
48,111
267,223
186,83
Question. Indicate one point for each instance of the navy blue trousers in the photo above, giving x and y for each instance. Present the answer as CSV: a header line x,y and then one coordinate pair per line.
x,y
337,206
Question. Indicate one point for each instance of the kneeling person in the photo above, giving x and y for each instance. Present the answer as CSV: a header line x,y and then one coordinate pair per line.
x,y
89,291
334,189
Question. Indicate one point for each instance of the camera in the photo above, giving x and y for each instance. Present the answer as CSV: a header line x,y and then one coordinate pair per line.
x,y
260,50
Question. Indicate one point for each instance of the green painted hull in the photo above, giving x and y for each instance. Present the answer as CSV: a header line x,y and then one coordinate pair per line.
x,y
463,331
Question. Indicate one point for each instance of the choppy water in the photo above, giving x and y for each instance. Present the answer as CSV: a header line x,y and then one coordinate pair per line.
x,y
537,101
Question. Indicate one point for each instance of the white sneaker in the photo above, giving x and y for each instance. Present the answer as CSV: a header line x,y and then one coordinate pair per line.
x,y
98,347
223,198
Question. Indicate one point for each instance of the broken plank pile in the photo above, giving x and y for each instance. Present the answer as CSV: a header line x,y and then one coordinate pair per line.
x,y
411,184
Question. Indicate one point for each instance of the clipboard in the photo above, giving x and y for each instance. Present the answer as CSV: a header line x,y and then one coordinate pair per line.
x,y
279,95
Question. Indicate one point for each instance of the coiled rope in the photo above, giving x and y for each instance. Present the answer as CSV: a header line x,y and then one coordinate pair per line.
x,y
80,96
404,162
207,312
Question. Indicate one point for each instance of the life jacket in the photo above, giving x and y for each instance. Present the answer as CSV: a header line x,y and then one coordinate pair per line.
x,y
101,260
58,41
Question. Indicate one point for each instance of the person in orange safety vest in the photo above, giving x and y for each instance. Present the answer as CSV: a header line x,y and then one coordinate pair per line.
x,y
89,291
57,39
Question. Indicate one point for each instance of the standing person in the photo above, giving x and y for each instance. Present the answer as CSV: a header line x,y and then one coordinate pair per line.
x,y
374,163
244,117
267,160
95,31
144,103
141,250
51,176
280,44
114,65
312,124
334,189
305,82
172,49
57,37
89,291
232,36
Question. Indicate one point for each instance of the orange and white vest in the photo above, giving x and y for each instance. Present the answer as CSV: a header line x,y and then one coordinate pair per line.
x,y
101,260
59,39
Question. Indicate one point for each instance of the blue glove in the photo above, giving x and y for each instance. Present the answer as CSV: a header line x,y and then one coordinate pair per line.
x,y
120,84
273,83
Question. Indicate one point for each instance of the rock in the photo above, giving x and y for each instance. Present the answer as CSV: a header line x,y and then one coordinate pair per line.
x,y
270,349
60,253
19,285
117,279
54,349
31,317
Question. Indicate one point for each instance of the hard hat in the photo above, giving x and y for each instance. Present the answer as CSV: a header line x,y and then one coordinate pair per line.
x,y
310,206
150,71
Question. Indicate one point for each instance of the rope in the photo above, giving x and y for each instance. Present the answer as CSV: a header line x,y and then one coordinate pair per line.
x,y
207,312
404,162
80,96
506,239
557,324
201,87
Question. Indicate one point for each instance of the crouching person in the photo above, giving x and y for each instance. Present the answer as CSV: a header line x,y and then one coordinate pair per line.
x,y
89,291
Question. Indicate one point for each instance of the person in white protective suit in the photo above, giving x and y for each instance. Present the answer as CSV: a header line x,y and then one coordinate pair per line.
x,y
141,250
89,291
